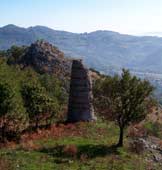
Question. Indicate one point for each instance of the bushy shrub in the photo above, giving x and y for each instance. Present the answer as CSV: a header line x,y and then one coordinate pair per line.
x,y
38,104
47,90
14,54
6,105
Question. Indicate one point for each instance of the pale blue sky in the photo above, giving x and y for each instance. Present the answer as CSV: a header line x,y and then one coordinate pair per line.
x,y
125,16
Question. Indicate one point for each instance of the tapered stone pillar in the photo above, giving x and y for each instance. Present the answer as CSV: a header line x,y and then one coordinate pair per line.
x,y
80,106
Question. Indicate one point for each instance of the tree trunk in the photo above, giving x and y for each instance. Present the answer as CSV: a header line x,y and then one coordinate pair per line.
x,y
120,143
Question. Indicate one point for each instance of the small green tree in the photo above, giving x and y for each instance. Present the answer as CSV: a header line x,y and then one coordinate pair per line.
x,y
38,104
124,99
6,105
54,87
14,54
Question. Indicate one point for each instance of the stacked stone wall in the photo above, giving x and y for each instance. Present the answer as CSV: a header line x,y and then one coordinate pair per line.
x,y
80,99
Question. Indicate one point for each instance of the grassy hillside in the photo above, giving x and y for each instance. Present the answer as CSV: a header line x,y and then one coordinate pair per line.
x,y
83,146
80,146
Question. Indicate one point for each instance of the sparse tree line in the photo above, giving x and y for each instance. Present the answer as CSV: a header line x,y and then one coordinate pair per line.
x,y
28,99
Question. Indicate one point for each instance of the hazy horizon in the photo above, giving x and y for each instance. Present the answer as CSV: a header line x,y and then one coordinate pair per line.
x,y
158,34
127,17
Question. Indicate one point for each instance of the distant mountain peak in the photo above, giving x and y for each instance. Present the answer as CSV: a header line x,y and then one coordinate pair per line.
x,y
102,50
11,26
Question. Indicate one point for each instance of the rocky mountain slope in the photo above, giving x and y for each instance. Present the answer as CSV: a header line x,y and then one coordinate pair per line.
x,y
45,58
103,50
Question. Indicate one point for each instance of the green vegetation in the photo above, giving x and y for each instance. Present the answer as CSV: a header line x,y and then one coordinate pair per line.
x,y
124,98
38,104
30,101
15,53
6,106
85,146
26,96
154,129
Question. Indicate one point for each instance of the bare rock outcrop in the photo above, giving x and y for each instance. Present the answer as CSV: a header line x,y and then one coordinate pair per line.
x,y
46,58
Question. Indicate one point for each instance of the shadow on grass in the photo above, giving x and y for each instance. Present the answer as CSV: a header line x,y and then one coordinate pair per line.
x,y
91,151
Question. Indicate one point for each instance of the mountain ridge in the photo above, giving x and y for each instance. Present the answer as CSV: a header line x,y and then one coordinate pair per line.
x,y
102,50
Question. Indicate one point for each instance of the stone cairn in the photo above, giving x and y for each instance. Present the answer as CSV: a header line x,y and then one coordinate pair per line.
x,y
80,99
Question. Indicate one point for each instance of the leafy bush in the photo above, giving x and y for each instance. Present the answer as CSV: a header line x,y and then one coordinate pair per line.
x,y
46,89
38,104
54,87
6,105
14,54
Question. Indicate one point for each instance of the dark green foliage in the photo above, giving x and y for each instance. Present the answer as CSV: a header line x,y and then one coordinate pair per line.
x,y
16,118
38,104
47,90
6,95
6,105
15,53
54,87
123,99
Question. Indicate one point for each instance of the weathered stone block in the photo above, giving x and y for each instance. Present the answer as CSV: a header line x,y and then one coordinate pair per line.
x,y
80,99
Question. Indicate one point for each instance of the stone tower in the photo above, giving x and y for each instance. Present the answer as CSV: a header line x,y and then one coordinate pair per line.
x,y
80,99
